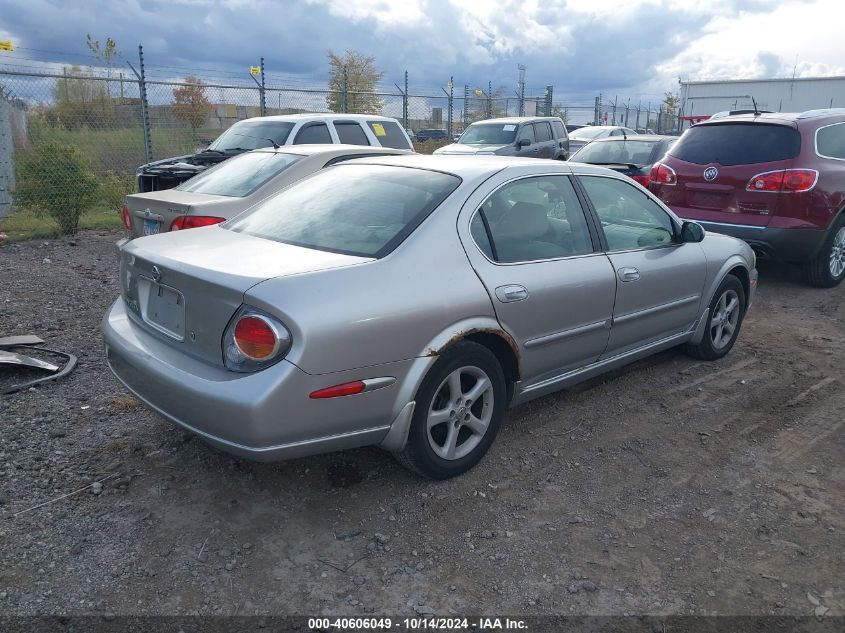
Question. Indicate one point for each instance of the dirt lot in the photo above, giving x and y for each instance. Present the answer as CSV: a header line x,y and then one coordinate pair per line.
x,y
674,486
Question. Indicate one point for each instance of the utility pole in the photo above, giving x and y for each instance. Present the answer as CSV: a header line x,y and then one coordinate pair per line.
x,y
521,90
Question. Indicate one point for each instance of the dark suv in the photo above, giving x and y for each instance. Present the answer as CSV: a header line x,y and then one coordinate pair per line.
x,y
775,180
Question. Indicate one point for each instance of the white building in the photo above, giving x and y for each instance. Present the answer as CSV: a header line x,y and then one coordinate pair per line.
x,y
700,99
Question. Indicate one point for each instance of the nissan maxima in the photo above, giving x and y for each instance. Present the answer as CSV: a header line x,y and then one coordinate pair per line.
x,y
407,301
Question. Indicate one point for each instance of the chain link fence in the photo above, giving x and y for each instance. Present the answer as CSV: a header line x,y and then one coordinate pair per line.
x,y
71,141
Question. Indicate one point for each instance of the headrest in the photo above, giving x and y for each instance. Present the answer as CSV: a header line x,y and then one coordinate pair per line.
x,y
524,221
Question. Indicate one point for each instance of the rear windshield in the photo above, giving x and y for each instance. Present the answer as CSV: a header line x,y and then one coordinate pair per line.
x,y
489,134
616,152
389,134
241,175
737,144
246,135
363,210
587,133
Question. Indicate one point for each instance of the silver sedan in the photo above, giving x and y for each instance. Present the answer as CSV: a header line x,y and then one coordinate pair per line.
x,y
228,188
408,301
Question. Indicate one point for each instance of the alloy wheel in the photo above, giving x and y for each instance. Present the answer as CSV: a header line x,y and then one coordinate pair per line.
x,y
460,413
837,254
725,319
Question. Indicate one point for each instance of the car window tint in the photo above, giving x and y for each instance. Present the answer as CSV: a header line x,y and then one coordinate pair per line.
x,y
559,130
737,144
616,132
629,217
620,151
526,131
241,175
364,210
479,234
830,141
314,133
389,134
351,133
542,132
533,219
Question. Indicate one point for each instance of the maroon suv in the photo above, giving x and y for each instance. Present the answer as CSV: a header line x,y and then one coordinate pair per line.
x,y
775,180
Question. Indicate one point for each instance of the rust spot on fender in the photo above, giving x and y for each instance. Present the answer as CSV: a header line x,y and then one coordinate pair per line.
x,y
462,334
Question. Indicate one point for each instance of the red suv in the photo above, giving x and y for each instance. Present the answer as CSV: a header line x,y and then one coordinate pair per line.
x,y
775,180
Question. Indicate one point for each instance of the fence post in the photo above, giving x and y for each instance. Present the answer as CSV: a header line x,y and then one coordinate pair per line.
x,y
597,111
489,99
450,96
405,103
466,102
145,115
263,103
344,93
549,93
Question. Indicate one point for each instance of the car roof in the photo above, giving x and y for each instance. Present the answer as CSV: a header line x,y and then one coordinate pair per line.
x,y
633,137
782,118
320,116
517,119
474,167
331,150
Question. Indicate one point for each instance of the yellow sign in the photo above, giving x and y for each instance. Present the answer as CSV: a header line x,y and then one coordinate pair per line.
x,y
255,71
378,128
6,45
479,92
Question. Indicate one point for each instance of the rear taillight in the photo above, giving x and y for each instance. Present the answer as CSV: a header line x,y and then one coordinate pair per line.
x,y
254,340
126,217
642,179
194,221
663,175
784,180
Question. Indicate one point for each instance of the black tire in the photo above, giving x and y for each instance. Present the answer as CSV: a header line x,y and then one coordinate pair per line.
x,y
818,270
708,349
418,455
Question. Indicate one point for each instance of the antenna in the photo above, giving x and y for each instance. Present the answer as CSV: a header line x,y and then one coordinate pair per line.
x,y
754,102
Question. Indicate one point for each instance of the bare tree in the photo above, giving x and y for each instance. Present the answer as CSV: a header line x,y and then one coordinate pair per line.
x,y
353,78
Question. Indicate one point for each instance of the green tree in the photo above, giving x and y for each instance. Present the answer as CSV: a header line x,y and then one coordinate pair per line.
x,y
55,178
353,77
190,103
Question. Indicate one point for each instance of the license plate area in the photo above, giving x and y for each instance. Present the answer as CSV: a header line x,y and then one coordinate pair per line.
x,y
152,227
162,308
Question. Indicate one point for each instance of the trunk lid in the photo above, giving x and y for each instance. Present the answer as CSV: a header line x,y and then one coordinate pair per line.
x,y
714,163
185,286
154,211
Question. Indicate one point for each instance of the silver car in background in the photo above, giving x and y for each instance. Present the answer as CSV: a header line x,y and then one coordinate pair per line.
x,y
531,137
589,133
228,188
407,301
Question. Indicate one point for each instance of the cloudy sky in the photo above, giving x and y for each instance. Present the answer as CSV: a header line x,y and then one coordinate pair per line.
x,y
631,48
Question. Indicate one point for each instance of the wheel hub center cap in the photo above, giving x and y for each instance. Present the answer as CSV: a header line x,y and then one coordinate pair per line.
x,y
461,412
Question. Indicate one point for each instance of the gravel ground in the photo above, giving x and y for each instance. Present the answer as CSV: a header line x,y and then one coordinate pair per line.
x,y
671,487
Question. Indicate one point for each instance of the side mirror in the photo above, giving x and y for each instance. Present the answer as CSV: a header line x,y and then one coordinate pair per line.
x,y
523,142
692,232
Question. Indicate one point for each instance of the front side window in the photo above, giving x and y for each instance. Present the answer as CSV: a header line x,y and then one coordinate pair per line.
x,y
830,141
526,132
350,133
363,210
532,219
241,175
389,134
629,217
247,135
314,133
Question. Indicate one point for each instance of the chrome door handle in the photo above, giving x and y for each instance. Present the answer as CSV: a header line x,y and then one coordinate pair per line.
x,y
629,273
512,293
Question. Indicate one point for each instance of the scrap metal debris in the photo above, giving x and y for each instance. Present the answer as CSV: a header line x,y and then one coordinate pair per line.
x,y
28,348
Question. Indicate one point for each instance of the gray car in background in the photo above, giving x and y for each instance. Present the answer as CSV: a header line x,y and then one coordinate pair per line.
x,y
530,137
406,301
225,190
580,137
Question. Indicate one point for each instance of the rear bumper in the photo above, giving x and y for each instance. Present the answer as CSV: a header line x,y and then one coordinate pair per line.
x,y
791,245
265,415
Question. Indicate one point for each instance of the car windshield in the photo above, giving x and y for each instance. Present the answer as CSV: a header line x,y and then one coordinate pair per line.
x,y
363,210
246,135
612,152
489,134
241,175
587,133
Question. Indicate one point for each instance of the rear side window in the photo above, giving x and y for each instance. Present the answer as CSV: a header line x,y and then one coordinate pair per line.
x,y
542,132
558,129
351,133
315,133
389,134
830,141
737,144
241,175
362,210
